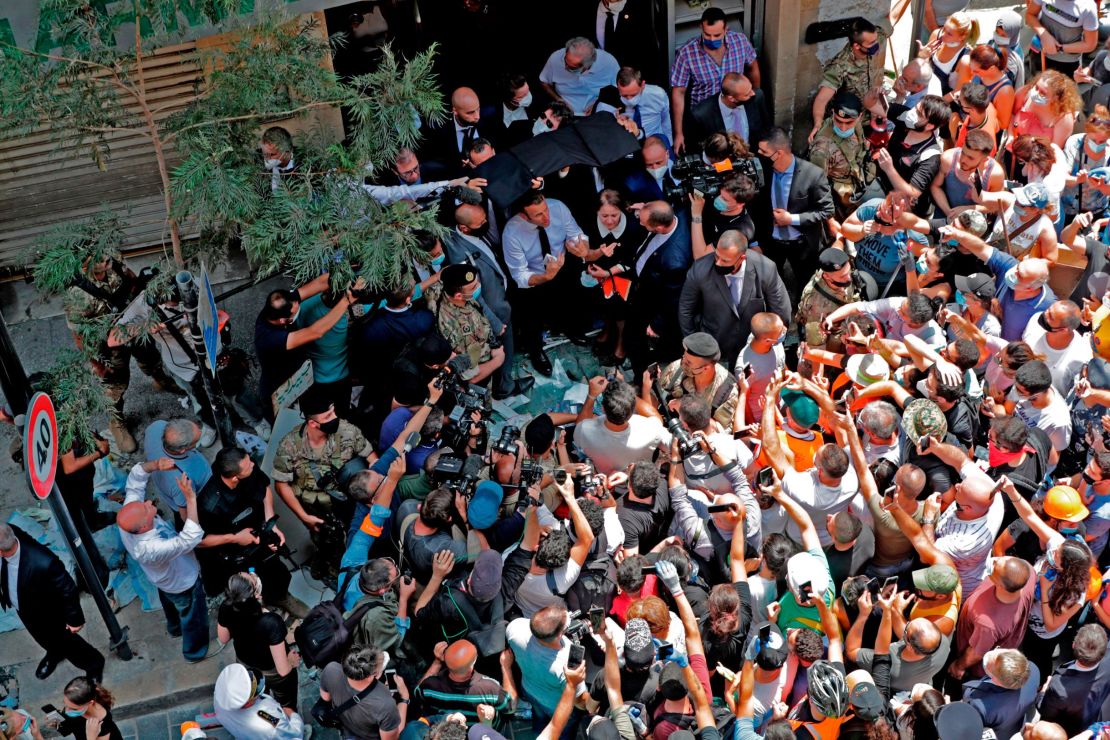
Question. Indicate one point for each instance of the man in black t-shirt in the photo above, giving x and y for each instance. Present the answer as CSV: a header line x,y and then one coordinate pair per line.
x,y
233,507
645,511
280,350
1077,236
912,158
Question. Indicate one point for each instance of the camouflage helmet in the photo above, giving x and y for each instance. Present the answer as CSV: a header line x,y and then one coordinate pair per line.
x,y
923,417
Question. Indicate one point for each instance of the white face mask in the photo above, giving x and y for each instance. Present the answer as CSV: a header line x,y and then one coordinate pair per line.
x,y
539,127
525,101
910,119
658,172
271,164
953,44
633,101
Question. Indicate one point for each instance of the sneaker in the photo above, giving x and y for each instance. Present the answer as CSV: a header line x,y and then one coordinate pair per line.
x,y
207,435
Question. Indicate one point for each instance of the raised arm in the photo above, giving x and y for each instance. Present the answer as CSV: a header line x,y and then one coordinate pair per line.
x,y
810,540
831,629
926,549
772,447
668,574
854,642
582,530
1025,511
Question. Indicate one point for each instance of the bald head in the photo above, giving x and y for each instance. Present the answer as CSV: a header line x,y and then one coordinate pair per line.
x,y
657,216
737,86
974,496
1032,270
1013,573
460,658
923,636
464,104
766,324
911,478
136,517
1065,314
469,215
1042,730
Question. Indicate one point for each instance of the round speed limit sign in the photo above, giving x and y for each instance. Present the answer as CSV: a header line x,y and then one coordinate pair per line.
x,y
40,444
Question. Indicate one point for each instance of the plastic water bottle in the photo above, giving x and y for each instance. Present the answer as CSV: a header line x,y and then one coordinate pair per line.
x,y
191,731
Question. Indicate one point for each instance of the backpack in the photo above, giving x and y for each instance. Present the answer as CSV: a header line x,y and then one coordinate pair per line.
x,y
596,584
324,635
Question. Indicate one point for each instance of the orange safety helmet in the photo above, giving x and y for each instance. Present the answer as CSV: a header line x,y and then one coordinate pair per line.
x,y
1065,503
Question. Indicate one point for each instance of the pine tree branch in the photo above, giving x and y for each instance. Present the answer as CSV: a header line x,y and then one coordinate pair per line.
x,y
113,129
250,116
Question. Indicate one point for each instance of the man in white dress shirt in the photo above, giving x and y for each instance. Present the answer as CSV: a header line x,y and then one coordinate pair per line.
x,y
167,556
647,105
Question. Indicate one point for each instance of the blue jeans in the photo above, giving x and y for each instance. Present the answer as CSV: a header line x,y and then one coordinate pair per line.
x,y
187,615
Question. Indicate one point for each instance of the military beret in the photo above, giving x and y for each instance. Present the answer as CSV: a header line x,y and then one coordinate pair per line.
x,y
832,259
700,344
454,277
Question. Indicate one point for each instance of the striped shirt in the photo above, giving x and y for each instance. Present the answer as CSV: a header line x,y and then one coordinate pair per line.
x,y
968,541
441,694
694,68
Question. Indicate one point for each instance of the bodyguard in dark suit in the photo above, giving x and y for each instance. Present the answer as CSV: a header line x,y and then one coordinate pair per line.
x,y
470,242
510,123
446,145
653,173
623,28
658,268
791,210
746,108
725,289
34,581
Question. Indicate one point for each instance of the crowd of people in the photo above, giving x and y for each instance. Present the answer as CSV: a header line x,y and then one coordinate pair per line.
x,y
845,472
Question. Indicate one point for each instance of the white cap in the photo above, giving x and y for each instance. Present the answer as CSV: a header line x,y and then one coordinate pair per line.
x,y
234,687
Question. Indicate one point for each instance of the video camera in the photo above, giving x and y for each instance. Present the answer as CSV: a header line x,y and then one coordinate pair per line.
x,y
269,546
691,173
588,482
458,474
687,445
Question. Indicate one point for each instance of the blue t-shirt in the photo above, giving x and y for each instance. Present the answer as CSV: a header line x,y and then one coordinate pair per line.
x,y
329,352
1015,314
879,254
393,425
192,464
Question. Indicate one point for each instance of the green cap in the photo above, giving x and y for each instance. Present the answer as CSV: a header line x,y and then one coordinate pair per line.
x,y
940,579
803,408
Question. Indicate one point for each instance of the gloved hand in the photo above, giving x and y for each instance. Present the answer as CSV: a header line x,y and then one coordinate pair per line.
x,y
679,659
668,574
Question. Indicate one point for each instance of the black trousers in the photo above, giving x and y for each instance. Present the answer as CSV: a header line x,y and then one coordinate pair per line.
x,y
797,262
61,644
559,304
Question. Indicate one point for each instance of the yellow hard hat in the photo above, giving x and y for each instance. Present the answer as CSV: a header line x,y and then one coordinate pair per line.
x,y
1065,504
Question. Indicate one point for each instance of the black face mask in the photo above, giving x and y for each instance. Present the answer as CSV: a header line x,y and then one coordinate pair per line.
x,y
841,284
480,231
724,269
1043,322
329,427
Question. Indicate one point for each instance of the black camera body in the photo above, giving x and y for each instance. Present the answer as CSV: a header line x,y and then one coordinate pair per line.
x,y
690,173
587,482
687,445
506,443
458,474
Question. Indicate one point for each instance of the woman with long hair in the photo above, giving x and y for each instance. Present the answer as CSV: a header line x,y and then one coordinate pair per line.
x,y
87,711
259,637
1047,108
948,51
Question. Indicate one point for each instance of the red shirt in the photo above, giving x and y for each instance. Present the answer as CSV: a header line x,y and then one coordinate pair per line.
x,y
664,728
986,623
624,600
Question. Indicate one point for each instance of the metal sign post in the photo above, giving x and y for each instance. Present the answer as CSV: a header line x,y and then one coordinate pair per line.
x,y
40,453
187,291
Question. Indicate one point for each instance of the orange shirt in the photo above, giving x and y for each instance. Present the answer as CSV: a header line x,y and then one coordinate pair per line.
x,y
804,449
959,127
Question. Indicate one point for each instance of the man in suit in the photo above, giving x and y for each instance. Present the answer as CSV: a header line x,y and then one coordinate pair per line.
x,y
791,210
470,242
446,145
649,182
34,581
658,268
622,28
739,108
724,290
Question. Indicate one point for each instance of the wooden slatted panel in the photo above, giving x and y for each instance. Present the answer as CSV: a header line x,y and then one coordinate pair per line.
x,y
42,185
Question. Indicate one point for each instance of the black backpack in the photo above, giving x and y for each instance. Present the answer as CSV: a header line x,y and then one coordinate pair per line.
x,y
324,635
596,584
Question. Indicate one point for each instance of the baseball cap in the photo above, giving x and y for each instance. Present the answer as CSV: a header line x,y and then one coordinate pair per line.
x,y
639,650
481,511
806,568
832,259
485,579
803,408
923,417
958,721
1033,195
867,369
940,579
973,221
979,284
866,701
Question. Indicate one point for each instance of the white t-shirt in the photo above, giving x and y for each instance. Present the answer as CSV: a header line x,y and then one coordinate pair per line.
x,y
700,463
886,311
1054,419
818,500
612,451
764,592
1065,363
534,593
764,367
968,542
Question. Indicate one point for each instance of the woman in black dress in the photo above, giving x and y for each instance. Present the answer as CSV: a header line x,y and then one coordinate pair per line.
x,y
259,637
617,235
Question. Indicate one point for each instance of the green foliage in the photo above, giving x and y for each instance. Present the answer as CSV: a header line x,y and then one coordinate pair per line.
x,y
79,398
58,256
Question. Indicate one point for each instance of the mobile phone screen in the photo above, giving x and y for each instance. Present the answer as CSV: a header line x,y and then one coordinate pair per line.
x,y
889,585
597,616
765,478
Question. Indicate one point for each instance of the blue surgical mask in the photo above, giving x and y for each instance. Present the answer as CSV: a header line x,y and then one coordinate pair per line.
x,y
922,265
1037,99
1094,146
719,204
843,133
438,261
873,50
1011,277
477,292
712,43
961,299
417,291
74,712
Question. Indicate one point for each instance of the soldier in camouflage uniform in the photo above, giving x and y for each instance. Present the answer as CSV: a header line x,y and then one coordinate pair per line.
x,y
856,68
831,287
307,462
841,150
105,287
465,322
699,371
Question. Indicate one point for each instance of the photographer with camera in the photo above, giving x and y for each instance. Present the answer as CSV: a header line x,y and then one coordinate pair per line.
x,y
729,212
307,471
236,512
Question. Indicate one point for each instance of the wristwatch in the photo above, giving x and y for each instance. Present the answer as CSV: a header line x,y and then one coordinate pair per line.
x,y
695,219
